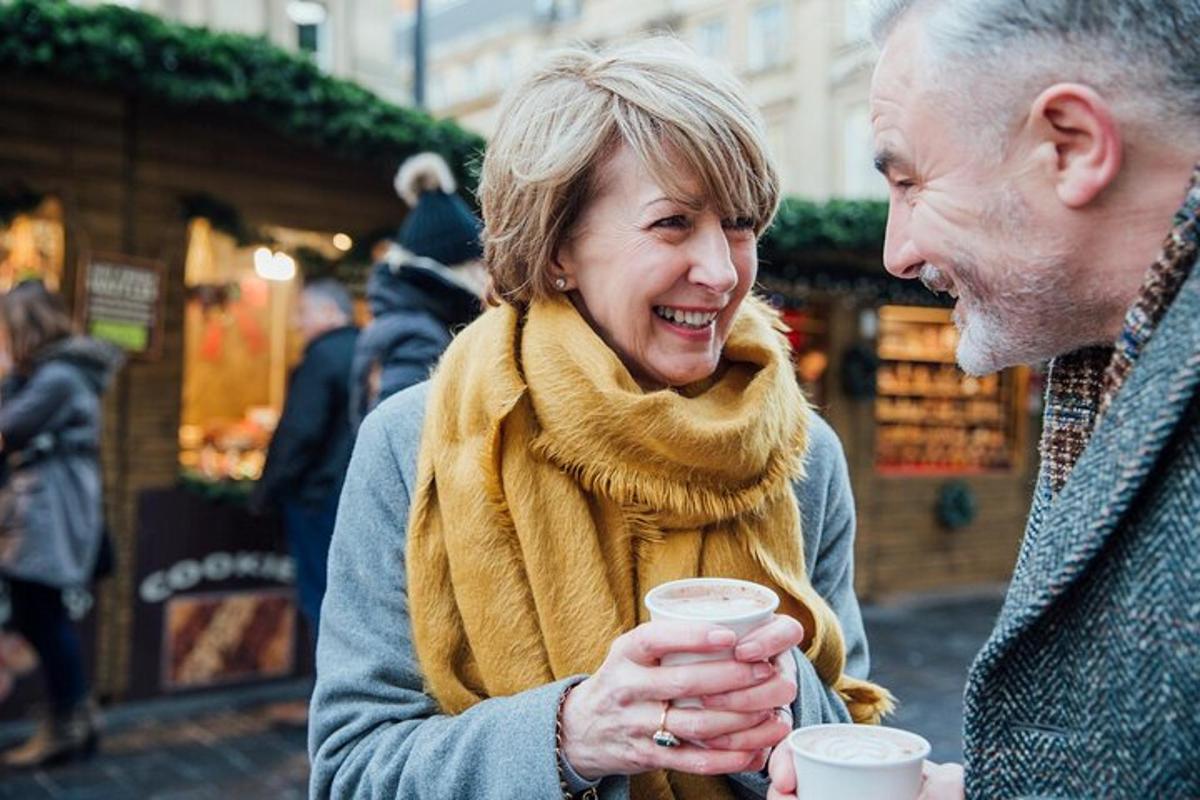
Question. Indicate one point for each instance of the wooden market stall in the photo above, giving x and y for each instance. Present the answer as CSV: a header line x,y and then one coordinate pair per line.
x,y
173,183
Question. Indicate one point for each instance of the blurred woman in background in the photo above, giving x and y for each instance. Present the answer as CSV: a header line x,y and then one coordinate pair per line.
x,y
51,514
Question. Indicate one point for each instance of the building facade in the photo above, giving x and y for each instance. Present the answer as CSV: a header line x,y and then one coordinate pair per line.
x,y
806,64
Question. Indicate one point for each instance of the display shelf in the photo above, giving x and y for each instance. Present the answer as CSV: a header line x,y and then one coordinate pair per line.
x,y
931,418
921,356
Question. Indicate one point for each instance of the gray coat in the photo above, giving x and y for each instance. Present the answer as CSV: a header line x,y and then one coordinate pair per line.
x,y
51,513
375,733
1090,684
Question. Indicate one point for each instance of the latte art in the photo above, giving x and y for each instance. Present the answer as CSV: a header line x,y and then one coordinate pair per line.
x,y
857,746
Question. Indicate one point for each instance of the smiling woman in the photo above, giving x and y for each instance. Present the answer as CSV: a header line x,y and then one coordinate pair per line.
x,y
625,415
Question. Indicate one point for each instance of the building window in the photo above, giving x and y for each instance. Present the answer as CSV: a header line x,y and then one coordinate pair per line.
x,y
768,41
505,69
311,21
712,39
859,178
556,10
854,21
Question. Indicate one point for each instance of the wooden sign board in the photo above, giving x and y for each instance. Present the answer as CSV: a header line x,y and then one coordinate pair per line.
x,y
121,301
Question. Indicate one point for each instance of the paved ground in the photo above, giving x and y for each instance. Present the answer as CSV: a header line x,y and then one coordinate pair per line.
x,y
921,650
235,745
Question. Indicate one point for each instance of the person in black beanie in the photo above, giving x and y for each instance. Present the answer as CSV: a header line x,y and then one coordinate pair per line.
x,y
427,287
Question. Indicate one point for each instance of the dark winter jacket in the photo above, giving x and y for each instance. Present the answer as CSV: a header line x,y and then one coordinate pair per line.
x,y
51,507
310,450
417,309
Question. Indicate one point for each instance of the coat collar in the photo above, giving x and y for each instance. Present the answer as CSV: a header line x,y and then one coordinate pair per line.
x,y
1110,474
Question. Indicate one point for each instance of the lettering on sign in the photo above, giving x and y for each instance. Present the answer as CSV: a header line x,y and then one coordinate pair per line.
x,y
188,573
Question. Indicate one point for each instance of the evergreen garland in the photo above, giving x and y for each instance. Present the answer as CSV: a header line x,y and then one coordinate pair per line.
x,y
846,226
141,54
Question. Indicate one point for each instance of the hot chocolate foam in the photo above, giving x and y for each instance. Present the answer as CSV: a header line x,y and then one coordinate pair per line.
x,y
712,602
857,745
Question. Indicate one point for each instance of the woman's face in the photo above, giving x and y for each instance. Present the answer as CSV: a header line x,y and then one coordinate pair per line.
x,y
660,281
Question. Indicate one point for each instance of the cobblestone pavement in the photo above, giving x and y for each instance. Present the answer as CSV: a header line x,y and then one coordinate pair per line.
x,y
237,744
921,650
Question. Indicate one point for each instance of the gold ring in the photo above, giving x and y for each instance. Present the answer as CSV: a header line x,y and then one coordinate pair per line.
x,y
662,736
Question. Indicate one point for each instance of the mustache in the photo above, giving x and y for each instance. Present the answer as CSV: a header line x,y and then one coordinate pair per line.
x,y
935,280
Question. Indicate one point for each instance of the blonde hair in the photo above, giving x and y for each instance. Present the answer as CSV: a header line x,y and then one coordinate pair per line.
x,y
684,118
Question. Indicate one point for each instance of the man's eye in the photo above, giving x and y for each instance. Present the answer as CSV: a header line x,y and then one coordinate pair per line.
x,y
905,184
676,221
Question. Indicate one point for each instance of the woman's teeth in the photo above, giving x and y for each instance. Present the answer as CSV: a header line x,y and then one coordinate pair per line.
x,y
689,319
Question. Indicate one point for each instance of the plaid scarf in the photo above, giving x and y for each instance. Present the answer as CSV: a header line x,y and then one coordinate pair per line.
x,y
1082,385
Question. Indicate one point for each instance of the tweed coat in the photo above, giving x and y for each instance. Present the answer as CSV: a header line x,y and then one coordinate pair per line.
x,y
1089,686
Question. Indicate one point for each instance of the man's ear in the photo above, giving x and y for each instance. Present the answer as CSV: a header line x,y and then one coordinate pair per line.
x,y
1077,132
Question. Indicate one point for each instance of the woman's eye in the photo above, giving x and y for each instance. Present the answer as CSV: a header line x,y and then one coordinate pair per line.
x,y
740,223
676,221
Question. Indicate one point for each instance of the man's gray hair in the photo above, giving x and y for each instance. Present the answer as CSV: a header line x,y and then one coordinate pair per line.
x,y
328,290
1142,55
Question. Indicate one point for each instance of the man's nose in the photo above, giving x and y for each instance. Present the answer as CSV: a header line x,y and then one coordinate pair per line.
x,y
901,257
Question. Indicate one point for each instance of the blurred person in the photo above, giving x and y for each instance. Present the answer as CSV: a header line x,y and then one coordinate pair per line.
x,y
1042,159
427,287
51,505
307,458
626,414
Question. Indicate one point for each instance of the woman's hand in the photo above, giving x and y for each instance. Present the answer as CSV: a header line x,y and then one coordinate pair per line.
x,y
772,642
609,719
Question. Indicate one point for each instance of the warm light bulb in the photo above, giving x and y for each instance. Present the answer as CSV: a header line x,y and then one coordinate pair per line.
x,y
262,261
342,242
274,266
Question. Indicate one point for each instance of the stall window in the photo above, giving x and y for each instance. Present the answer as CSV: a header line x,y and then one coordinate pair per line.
x,y
239,345
32,245
930,416
712,39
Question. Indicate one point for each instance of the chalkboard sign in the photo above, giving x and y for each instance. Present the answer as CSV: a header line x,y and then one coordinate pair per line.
x,y
121,302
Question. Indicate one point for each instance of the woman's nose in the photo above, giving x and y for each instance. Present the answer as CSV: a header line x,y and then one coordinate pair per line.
x,y
712,260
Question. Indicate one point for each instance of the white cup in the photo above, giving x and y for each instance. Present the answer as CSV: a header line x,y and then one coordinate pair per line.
x,y
857,762
702,600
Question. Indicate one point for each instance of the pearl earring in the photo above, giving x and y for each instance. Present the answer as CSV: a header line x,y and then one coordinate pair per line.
x,y
560,283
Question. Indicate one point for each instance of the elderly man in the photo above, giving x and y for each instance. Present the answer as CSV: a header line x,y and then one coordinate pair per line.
x,y
1042,158
310,451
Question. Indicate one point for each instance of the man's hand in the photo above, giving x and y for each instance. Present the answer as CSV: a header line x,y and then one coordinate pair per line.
x,y
942,782
783,773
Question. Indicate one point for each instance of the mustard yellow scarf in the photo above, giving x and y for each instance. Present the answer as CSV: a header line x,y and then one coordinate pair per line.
x,y
553,492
